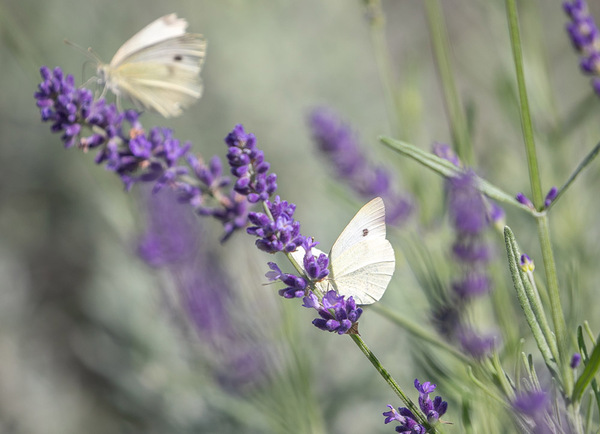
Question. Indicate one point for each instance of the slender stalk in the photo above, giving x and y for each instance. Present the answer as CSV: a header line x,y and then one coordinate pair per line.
x,y
391,382
587,160
441,50
384,64
560,327
526,123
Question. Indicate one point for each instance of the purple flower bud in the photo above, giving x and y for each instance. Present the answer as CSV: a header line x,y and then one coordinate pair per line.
x,y
521,198
550,197
575,360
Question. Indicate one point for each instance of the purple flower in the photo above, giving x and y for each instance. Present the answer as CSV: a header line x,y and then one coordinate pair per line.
x,y
526,263
158,158
137,156
337,314
534,404
247,163
470,215
296,285
432,410
473,284
575,360
550,197
466,204
585,37
444,151
279,232
521,198
338,143
174,243
476,345
407,421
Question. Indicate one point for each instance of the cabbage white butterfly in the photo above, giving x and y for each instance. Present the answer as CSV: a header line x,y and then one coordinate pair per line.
x,y
362,260
158,68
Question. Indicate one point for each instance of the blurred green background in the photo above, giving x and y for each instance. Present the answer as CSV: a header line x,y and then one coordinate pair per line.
x,y
93,340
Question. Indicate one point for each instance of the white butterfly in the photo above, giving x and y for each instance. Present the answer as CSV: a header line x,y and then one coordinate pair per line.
x,y
361,261
159,67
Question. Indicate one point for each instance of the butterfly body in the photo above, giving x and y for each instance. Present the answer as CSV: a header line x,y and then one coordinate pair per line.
x,y
362,260
158,68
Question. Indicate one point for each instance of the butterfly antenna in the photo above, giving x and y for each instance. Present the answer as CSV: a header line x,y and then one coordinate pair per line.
x,y
89,53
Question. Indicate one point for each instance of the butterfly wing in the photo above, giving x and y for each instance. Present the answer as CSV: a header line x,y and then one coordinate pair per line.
x,y
362,261
159,67
371,217
167,27
364,270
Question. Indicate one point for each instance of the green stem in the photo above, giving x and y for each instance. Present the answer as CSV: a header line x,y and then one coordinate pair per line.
x,y
391,382
560,327
526,123
587,160
386,73
441,50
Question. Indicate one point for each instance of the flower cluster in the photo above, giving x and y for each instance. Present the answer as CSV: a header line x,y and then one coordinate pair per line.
x,y
337,314
470,216
585,37
157,157
432,410
278,232
338,143
248,165
135,155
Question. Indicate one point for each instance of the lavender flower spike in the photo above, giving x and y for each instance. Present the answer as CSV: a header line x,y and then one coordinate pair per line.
x,y
137,156
339,145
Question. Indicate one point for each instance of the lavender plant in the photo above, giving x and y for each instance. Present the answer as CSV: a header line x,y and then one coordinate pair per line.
x,y
544,393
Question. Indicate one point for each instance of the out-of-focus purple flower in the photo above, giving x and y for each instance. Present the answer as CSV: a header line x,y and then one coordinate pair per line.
x,y
575,360
496,215
174,243
476,345
339,144
444,151
585,37
137,156
466,204
550,197
472,284
470,214
534,405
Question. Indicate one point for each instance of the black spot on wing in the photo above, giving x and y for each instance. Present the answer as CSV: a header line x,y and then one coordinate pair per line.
x,y
365,232
177,58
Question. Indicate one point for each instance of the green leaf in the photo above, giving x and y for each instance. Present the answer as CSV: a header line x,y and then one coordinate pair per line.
x,y
530,304
589,372
448,170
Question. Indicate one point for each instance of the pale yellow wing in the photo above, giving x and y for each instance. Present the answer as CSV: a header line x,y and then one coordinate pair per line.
x,y
164,77
159,67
